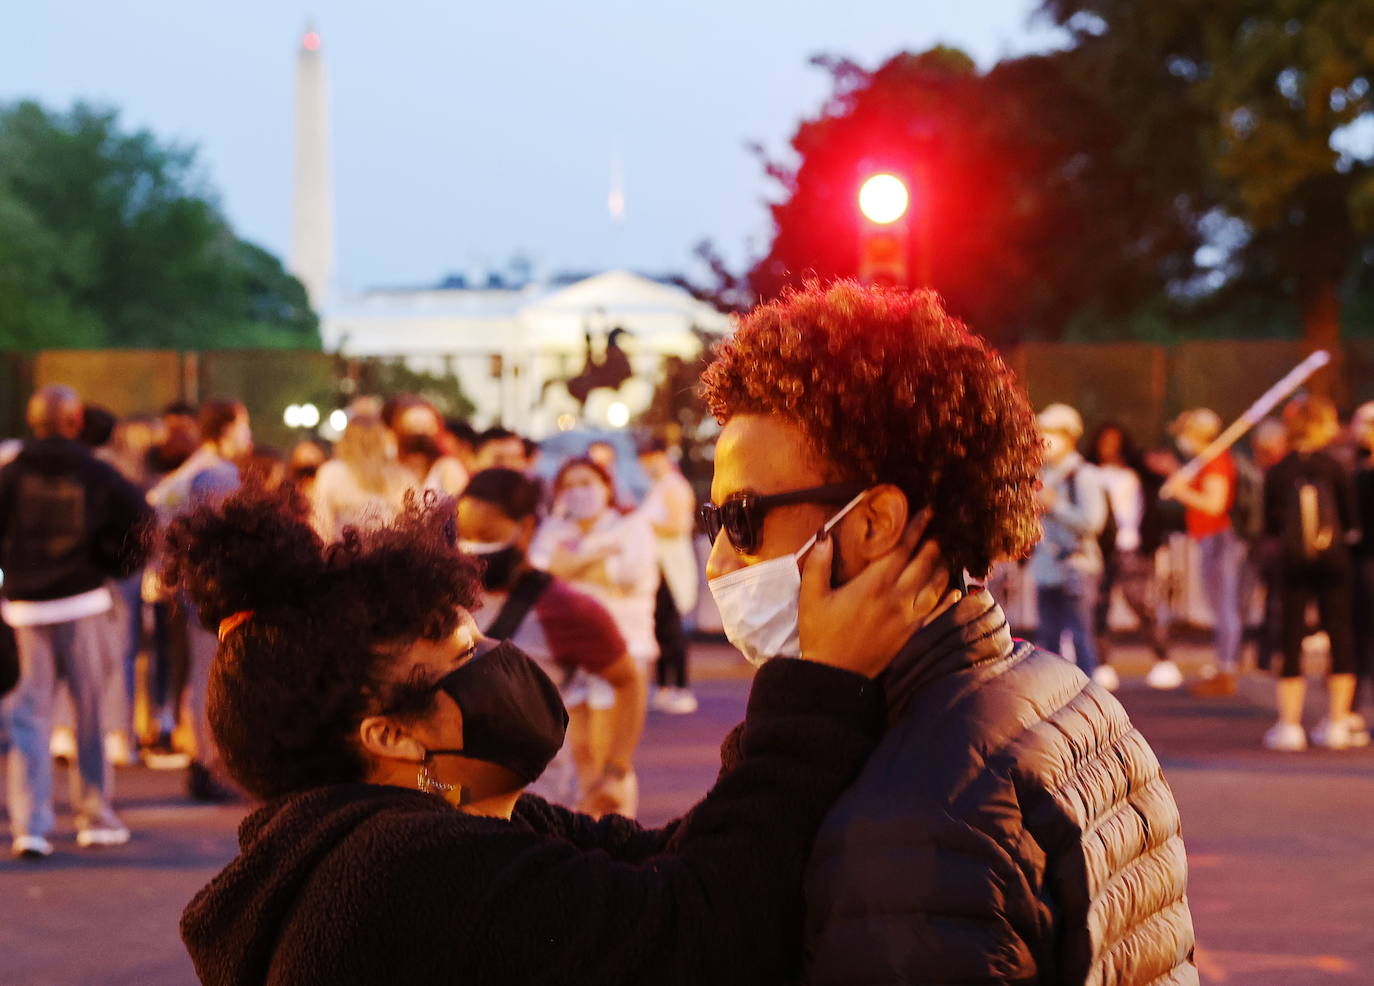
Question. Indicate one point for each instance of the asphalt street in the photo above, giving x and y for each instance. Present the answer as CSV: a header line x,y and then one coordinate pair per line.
x,y
1281,847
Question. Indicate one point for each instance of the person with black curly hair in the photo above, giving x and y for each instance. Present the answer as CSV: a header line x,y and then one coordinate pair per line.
x,y
391,742
1012,826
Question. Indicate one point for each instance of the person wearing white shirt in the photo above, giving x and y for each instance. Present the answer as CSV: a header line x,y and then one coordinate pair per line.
x,y
1130,564
612,557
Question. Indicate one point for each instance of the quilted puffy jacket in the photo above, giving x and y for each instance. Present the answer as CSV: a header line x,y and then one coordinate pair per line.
x,y
1012,827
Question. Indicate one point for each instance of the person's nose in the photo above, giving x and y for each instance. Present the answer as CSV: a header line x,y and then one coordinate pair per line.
x,y
723,559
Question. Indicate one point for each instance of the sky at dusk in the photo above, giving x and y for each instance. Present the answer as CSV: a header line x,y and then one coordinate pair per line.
x,y
464,133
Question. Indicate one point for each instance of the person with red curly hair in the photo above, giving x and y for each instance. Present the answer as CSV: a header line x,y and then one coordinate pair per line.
x,y
1012,826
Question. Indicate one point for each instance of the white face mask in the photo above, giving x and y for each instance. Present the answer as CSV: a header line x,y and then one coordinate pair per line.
x,y
482,547
758,604
585,502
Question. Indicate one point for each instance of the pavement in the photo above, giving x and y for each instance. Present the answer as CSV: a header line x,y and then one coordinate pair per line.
x,y
1281,846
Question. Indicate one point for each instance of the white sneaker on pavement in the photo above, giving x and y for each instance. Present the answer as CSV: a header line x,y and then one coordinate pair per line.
x,y
1285,737
62,744
1106,676
1332,734
1164,675
117,751
682,702
1359,730
31,847
102,835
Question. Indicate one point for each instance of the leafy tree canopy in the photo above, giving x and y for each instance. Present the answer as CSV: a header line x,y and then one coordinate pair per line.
x,y
109,239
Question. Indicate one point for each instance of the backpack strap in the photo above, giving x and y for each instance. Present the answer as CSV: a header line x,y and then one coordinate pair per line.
x,y
523,595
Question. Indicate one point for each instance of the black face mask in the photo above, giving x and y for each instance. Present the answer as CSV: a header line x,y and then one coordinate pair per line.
x,y
418,445
513,715
501,566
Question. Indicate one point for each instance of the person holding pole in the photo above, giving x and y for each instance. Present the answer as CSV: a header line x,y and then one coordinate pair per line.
x,y
1207,499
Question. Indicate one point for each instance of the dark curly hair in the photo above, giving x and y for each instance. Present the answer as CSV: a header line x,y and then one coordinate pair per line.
x,y
889,388
291,684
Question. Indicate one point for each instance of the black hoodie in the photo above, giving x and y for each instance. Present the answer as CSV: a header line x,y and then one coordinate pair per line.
x,y
68,522
373,884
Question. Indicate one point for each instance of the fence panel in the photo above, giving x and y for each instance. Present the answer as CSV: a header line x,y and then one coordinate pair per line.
x,y
127,381
1121,382
267,381
1227,375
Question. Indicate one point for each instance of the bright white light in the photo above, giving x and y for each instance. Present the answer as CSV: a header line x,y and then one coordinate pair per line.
x,y
292,416
566,422
618,415
338,419
883,199
310,415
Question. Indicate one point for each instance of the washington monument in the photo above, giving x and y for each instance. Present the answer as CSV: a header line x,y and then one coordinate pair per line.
x,y
312,204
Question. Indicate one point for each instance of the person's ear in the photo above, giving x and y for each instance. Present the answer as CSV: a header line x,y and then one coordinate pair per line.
x,y
384,739
882,518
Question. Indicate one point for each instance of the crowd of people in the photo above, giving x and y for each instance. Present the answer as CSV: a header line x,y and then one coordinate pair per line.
x,y
116,666
1284,541
913,795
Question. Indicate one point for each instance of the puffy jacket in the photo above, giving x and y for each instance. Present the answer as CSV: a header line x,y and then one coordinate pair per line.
x,y
68,522
1012,827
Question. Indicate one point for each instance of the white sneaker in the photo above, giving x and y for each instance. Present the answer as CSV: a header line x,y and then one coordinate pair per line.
x,y
62,744
1285,737
1332,734
1359,731
1164,675
102,835
117,751
1105,675
31,847
680,703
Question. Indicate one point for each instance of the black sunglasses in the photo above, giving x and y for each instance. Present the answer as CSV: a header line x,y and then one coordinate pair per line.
x,y
742,514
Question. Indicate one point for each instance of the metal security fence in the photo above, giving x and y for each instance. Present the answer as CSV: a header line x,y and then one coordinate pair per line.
x,y
1140,385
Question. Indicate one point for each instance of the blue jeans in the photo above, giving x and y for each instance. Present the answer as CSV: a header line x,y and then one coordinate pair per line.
x,y
1060,610
1222,557
77,650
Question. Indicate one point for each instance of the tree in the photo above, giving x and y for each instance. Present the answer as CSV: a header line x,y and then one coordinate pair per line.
x,y
1026,209
108,238
1273,91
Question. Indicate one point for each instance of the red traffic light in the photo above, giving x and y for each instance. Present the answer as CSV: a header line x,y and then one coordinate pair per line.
x,y
883,199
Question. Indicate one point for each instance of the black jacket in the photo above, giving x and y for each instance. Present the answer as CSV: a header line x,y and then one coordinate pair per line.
x,y
1013,827
371,884
68,522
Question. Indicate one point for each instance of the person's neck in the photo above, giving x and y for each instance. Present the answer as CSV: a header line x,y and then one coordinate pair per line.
x,y
585,526
497,806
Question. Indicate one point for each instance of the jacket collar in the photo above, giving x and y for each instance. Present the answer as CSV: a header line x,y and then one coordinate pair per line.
x,y
974,631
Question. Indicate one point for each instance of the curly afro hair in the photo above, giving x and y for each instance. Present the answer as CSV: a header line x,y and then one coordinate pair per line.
x,y
291,684
889,388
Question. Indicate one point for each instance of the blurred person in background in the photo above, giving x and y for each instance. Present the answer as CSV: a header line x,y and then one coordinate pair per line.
x,y
459,439
1012,826
563,629
501,448
1207,500
1132,538
211,473
1310,518
264,466
363,485
1362,555
612,557
389,744
419,429
670,509
303,464
68,523
1067,562
177,438
1268,446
